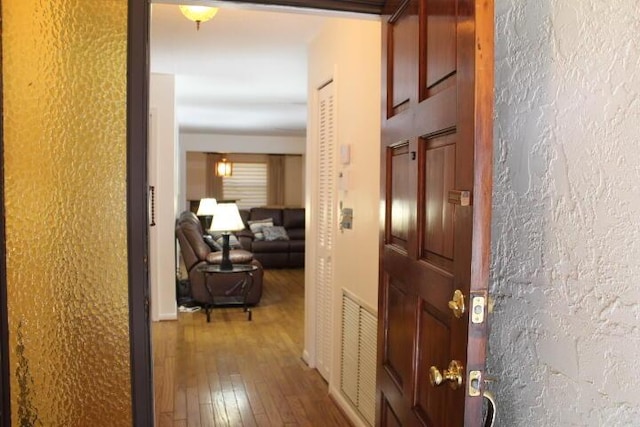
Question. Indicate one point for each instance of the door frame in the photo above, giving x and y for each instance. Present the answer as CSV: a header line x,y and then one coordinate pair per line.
x,y
139,12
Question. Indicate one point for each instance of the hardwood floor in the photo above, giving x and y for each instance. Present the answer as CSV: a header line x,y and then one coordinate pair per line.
x,y
232,372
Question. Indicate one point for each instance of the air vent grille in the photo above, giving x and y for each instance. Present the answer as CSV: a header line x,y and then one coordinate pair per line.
x,y
358,367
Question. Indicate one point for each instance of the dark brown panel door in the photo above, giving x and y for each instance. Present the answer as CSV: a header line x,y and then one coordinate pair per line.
x,y
436,187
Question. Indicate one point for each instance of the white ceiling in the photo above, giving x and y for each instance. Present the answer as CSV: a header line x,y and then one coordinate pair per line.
x,y
243,72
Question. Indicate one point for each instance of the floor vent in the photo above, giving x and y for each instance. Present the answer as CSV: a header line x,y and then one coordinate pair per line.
x,y
358,379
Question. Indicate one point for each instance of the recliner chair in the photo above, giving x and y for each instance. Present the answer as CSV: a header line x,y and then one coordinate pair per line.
x,y
195,252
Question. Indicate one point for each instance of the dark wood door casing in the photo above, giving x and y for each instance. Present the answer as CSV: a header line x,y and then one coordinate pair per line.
x,y
436,138
137,215
5,405
358,6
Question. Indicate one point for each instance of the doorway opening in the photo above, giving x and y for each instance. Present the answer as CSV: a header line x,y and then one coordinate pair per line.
x,y
207,140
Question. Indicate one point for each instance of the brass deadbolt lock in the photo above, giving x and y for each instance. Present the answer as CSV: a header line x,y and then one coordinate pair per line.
x,y
457,304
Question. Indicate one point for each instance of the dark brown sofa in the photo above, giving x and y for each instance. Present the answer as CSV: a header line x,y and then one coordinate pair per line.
x,y
276,253
195,252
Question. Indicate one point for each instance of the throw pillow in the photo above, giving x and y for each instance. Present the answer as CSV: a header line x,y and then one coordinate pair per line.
x,y
212,243
275,233
257,226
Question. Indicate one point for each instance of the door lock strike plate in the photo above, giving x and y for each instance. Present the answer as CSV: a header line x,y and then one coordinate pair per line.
x,y
474,383
477,309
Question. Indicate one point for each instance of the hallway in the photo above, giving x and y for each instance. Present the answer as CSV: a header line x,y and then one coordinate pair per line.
x,y
232,372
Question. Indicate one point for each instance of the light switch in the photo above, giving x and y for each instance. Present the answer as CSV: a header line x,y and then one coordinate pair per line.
x,y
346,219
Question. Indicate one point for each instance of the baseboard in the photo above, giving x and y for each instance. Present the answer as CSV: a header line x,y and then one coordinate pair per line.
x,y
346,408
305,357
167,316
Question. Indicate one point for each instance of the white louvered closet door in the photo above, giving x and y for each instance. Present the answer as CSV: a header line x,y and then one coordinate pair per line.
x,y
325,227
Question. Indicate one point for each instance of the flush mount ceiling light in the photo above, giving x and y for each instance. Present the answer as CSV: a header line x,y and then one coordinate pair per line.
x,y
198,14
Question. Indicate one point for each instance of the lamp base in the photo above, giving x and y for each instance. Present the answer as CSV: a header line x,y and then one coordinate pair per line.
x,y
226,262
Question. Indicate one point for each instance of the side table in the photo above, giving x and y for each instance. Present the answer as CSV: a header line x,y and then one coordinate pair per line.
x,y
244,284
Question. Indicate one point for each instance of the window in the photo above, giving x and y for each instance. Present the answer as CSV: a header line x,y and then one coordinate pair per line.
x,y
247,186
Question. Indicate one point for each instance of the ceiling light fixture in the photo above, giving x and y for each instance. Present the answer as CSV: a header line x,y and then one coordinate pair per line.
x,y
198,14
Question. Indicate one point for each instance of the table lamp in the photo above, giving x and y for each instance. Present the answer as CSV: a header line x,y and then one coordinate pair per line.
x,y
206,208
226,219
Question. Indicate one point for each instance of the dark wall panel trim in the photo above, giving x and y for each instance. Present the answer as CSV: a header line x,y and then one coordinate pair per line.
x,y
358,6
5,407
137,119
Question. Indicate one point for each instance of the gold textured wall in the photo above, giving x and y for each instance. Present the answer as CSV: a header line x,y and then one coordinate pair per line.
x,y
64,71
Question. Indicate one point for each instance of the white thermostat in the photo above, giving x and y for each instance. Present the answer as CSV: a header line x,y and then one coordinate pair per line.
x,y
345,154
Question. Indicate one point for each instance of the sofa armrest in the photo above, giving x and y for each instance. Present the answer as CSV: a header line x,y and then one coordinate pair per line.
x,y
244,233
246,238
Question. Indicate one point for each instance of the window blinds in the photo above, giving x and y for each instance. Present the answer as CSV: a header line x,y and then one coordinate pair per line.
x,y
247,186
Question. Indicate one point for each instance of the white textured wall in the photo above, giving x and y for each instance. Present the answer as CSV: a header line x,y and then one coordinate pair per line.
x,y
565,340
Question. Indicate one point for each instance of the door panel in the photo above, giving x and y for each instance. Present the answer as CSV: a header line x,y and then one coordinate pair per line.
x,y
400,195
400,318
439,179
389,418
438,53
436,187
403,34
432,402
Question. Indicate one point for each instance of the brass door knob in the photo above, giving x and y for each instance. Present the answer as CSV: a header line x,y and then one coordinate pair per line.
x,y
454,374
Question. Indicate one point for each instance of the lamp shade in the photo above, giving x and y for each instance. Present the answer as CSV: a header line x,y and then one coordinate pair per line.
x,y
226,218
206,207
199,14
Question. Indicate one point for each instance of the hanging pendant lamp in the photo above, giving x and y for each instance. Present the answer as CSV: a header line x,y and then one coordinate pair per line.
x,y
224,168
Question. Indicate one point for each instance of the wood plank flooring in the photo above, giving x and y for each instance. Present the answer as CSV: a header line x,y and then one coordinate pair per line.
x,y
232,372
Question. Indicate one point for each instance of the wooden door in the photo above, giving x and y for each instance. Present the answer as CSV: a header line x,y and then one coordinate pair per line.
x,y
436,188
